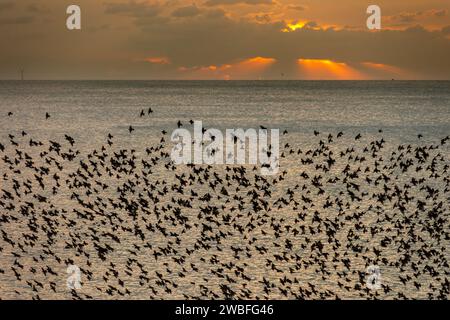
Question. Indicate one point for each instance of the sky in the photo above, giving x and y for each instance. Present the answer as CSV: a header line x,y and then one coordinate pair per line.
x,y
225,40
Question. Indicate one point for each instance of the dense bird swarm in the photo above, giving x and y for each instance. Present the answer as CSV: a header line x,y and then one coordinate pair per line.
x,y
139,227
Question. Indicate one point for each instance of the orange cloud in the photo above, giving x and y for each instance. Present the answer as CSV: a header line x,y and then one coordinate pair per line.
x,y
292,26
255,63
248,68
157,60
381,66
388,70
324,69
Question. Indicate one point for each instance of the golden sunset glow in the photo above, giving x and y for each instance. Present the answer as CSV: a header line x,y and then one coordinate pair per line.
x,y
233,39
310,25
252,67
382,66
157,60
258,62
388,70
292,26
316,69
244,69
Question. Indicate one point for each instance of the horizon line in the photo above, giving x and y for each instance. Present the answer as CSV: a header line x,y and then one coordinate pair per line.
x,y
223,80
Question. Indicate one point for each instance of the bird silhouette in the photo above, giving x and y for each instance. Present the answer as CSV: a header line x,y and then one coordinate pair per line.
x,y
137,225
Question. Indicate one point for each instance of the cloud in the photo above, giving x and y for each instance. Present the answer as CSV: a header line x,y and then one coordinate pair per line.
x,y
157,60
17,20
446,30
439,13
6,5
206,40
263,17
249,68
219,41
231,2
297,7
189,11
133,9
408,17
38,8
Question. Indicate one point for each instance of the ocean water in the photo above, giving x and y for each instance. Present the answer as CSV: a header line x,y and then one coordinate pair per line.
x,y
138,227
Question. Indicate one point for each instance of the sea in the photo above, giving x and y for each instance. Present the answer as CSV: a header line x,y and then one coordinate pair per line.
x,y
218,254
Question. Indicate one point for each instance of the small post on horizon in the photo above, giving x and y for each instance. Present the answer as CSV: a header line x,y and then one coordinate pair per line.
x,y
21,74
